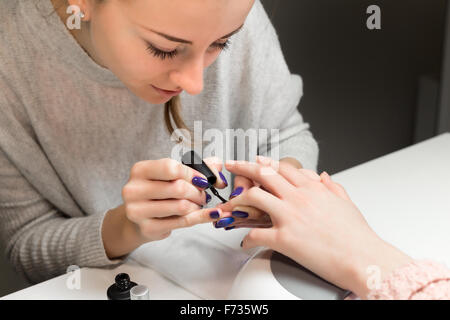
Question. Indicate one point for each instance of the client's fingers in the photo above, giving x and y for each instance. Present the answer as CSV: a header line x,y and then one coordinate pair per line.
x,y
334,187
264,222
241,184
310,174
259,237
267,177
296,177
258,199
248,217
215,164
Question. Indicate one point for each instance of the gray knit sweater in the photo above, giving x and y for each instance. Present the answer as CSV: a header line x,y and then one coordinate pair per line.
x,y
70,131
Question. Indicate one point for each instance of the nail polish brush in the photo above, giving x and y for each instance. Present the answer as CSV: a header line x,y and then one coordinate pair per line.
x,y
194,161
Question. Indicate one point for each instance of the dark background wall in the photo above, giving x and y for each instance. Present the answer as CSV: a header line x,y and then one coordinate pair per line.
x,y
360,85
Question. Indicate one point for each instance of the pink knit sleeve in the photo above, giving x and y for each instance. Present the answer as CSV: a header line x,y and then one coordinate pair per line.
x,y
418,280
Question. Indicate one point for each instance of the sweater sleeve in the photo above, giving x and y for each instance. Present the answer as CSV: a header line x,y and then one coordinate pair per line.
x,y
40,240
282,94
418,280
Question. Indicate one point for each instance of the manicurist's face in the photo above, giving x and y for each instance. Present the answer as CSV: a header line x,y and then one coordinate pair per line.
x,y
127,36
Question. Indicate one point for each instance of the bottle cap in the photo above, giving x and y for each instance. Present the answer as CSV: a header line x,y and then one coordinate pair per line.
x,y
139,292
120,289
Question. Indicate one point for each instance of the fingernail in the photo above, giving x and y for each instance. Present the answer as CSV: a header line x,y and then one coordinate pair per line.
x,y
264,160
223,178
326,175
242,242
236,192
214,214
230,228
224,222
200,182
239,214
208,197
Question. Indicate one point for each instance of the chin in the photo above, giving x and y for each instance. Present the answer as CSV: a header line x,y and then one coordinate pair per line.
x,y
156,100
147,95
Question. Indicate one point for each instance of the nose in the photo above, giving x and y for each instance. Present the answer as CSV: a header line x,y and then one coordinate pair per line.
x,y
190,76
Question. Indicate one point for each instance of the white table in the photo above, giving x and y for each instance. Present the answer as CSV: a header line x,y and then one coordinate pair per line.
x,y
94,283
405,197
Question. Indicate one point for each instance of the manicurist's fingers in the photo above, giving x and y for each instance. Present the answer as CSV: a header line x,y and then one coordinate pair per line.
x,y
163,169
189,220
156,189
142,210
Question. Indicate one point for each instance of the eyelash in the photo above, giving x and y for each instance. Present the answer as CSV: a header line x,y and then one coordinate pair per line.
x,y
164,54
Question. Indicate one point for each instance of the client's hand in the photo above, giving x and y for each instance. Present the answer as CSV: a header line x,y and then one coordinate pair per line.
x,y
243,217
247,217
314,222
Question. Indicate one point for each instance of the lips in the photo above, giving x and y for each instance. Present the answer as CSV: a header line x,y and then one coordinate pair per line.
x,y
168,91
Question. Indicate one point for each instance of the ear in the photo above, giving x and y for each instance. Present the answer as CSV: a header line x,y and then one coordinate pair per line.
x,y
85,6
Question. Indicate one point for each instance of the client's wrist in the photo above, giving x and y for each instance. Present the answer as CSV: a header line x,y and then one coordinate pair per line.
x,y
378,260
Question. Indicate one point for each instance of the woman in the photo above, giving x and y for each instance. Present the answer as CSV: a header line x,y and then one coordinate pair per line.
x,y
313,221
85,132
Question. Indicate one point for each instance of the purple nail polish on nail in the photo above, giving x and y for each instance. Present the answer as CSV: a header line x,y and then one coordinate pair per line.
x,y
236,192
200,182
239,214
208,197
223,178
214,214
224,222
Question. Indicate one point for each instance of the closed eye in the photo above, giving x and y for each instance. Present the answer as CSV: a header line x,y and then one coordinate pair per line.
x,y
161,54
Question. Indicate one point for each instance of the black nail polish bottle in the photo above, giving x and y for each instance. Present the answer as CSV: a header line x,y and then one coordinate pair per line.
x,y
193,160
120,290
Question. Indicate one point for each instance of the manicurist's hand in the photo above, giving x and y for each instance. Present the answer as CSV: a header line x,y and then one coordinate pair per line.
x,y
314,222
160,196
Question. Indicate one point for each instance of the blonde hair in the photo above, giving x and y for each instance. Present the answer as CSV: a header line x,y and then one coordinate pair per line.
x,y
172,108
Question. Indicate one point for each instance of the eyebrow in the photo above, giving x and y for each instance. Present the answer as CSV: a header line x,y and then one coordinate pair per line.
x,y
175,39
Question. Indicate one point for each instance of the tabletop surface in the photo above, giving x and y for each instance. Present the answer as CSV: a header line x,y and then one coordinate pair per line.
x,y
404,197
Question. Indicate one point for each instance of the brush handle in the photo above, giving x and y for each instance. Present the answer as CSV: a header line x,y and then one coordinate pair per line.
x,y
194,161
